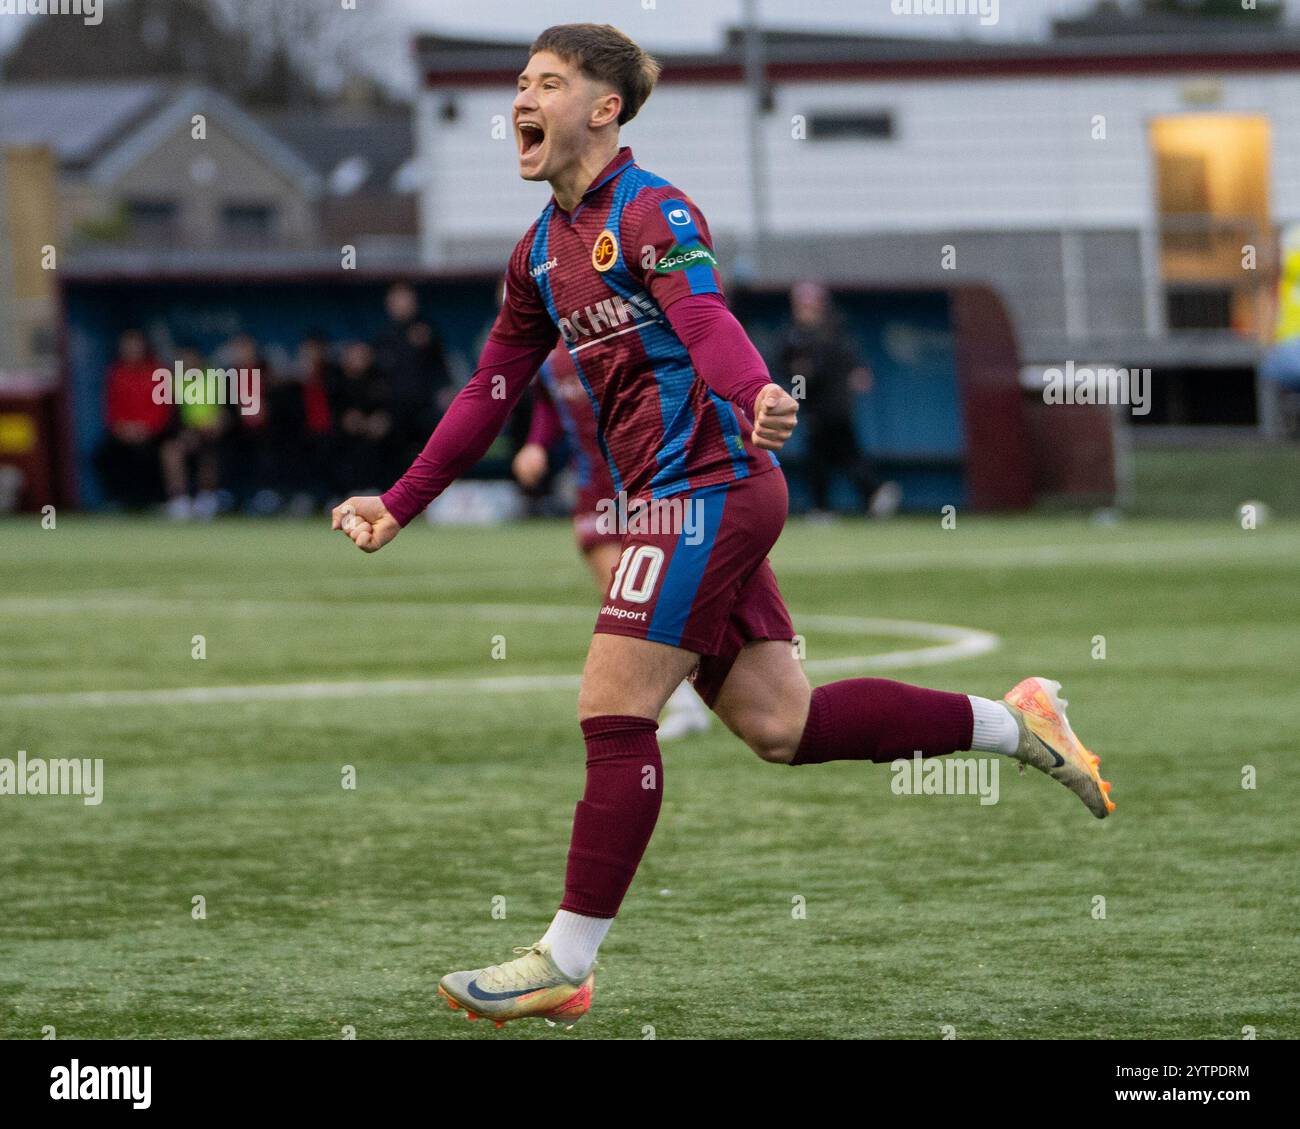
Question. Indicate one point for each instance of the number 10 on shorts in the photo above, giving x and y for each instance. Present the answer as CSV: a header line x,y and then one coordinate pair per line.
x,y
637,574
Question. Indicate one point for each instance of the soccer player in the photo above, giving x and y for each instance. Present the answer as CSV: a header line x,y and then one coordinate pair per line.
x,y
621,265
561,407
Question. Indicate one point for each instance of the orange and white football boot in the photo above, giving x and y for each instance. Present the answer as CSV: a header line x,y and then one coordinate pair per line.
x,y
530,986
1048,743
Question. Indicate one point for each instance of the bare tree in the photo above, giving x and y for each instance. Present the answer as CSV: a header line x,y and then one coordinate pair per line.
x,y
320,38
272,52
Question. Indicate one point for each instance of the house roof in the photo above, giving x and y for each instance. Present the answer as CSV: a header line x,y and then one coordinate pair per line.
x,y
1110,20
351,151
101,128
792,55
78,122
177,112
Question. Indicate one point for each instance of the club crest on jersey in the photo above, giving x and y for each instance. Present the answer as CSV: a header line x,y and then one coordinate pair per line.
x,y
605,253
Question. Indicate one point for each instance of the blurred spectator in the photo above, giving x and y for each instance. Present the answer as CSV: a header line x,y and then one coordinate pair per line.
x,y
363,423
297,426
318,376
817,347
247,460
410,354
198,448
1279,371
141,441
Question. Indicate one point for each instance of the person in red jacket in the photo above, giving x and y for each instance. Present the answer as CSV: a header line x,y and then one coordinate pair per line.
x,y
133,458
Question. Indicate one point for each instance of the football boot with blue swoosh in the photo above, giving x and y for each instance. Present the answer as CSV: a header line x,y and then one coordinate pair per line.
x,y
530,986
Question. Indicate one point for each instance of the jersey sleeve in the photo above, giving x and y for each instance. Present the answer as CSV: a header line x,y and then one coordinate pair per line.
x,y
667,244
720,350
523,318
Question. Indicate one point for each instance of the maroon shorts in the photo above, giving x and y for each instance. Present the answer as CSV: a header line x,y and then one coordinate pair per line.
x,y
697,577
589,530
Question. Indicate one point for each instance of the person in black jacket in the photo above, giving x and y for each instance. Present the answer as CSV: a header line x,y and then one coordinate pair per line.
x,y
410,354
817,348
361,406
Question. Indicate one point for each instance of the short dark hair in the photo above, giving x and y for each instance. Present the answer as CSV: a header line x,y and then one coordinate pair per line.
x,y
604,53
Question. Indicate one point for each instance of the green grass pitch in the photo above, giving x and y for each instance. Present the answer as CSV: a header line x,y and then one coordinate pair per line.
x,y
330,908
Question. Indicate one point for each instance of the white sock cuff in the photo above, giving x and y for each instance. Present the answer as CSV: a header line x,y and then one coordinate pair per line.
x,y
575,940
995,729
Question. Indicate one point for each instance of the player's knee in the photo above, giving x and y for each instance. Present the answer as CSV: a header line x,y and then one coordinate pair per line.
x,y
774,739
592,703
598,698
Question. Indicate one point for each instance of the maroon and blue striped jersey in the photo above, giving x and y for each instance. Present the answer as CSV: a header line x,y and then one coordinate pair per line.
x,y
604,277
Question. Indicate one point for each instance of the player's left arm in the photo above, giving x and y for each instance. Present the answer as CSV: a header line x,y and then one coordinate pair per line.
x,y
672,250
520,340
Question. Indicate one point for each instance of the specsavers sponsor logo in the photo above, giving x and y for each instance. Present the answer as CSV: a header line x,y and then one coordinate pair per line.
x,y
683,258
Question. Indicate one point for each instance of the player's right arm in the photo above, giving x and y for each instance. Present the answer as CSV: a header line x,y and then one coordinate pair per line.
x,y
520,341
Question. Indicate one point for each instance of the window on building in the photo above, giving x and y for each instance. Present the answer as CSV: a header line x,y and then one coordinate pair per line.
x,y
851,125
153,221
1213,172
246,225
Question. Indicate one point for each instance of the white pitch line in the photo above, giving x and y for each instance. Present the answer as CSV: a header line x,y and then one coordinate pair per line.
x,y
1280,545
953,644
295,691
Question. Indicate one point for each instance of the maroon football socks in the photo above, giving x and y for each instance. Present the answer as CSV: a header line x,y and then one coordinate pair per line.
x,y
877,719
616,815
873,719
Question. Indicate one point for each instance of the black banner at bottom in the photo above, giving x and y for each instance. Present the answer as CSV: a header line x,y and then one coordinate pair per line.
x,y
364,1078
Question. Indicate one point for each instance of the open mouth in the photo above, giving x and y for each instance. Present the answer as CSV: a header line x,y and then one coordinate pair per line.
x,y
531,136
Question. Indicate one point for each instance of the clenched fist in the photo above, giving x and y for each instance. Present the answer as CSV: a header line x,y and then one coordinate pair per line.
x,y
366,522
530,465
775,414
